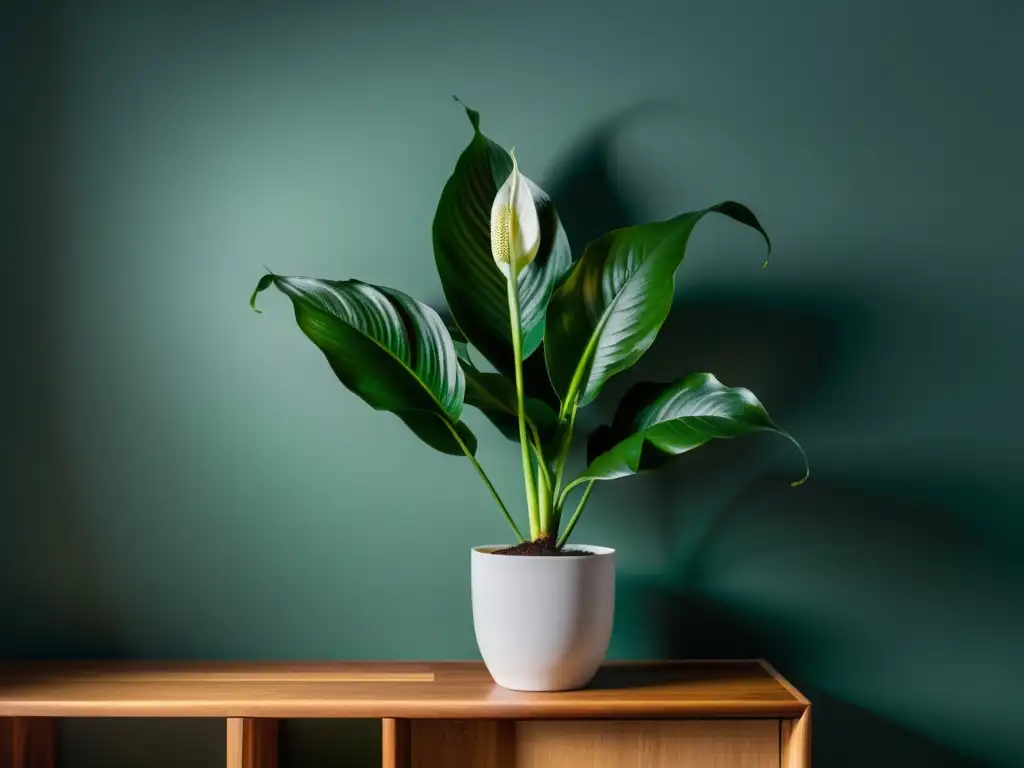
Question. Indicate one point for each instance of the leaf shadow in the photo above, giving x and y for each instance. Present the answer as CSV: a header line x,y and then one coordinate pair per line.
x,y
583,183
851,571
873,606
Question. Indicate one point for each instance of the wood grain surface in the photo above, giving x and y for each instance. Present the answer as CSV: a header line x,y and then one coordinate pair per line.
x,y
596,744
252,743
463,744
795,733
648,744
796,741
27,742
395,743
444,690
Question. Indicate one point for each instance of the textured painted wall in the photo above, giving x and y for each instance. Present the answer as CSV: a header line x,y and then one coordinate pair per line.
x,y
186,479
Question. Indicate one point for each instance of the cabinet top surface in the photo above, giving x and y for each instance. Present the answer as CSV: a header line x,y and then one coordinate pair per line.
x,y
682,689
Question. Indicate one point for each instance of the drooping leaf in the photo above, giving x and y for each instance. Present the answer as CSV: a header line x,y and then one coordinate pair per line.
x,y
474,287
655,422
432,430
389,349
609,309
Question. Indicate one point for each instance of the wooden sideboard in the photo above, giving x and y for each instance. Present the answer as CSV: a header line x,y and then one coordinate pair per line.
x,y
692,714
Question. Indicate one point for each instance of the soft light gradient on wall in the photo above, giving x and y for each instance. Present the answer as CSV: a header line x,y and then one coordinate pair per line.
x,y
186,479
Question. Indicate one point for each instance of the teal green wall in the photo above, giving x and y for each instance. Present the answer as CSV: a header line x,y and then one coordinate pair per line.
x,y
186,479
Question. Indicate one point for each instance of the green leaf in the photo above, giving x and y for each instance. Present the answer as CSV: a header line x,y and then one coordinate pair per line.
x,y
389,349
460,341
435,433
474,287
655,422
608,311
495,396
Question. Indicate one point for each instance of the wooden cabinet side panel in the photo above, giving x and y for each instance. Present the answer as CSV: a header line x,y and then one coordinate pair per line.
x,y
252,742
27,742
395,735
796,741
595,743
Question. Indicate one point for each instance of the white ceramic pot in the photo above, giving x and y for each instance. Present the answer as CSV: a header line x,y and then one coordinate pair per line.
x,y
543,623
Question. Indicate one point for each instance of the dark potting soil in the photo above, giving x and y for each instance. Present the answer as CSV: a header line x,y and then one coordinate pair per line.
x,y
545,547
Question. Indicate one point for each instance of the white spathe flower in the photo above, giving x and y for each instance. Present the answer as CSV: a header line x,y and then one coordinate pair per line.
x,y
515,230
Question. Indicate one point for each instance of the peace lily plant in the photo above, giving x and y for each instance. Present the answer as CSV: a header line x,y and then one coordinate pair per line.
x,y
516,293
554,330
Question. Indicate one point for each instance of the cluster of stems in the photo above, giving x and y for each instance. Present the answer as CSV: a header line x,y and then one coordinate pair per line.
x,y
542,474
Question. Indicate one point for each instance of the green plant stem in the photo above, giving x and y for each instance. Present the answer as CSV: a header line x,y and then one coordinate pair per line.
x,y
542,470
544,500
576,515
565,493
560,459
486,479
524,444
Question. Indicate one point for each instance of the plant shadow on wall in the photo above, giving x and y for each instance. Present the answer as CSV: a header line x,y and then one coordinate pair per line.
x,y
868,602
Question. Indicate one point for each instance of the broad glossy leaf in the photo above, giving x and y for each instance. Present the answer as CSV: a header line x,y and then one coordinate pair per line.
x,y
389,349
655,422
459,340
609,309
474,287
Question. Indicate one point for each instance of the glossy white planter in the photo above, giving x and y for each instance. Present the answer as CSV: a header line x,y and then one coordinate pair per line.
x,y
543,623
